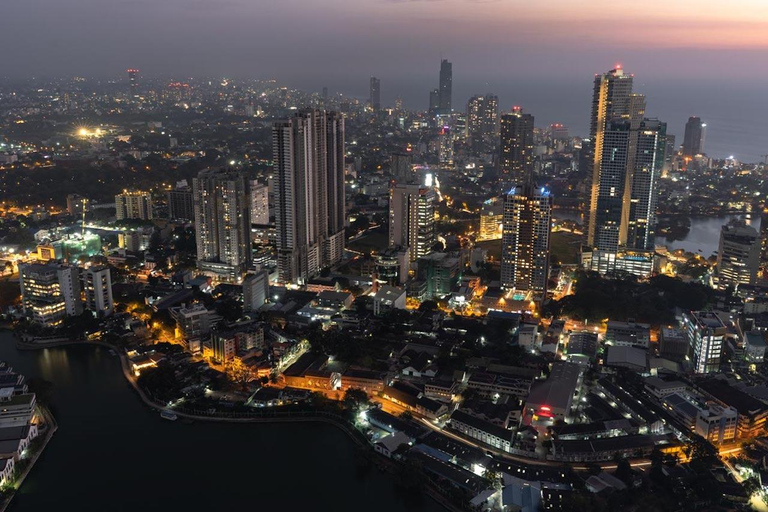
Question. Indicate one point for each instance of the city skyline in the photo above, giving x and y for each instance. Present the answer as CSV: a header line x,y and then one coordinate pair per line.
x,y
671,48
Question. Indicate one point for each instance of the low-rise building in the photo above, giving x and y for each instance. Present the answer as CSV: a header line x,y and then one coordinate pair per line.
x,y
627,334
481,430
387,299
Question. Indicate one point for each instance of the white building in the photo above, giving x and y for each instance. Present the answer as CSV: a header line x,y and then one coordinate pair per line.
x,y
388,298
705,333
97,283
133,204
50,292
412,219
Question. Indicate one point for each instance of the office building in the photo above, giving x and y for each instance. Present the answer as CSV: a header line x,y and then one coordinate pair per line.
x,y
705,333
491,219
375,94
255,290
50,292
133,204
693,139
525,239
648,165
446,87
738,256
412,219
181,205
392,266
482,122
222,223
515,147
309,190
133,84
401,167
259,203
97,284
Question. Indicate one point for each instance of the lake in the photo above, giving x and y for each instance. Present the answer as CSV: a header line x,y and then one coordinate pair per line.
x,y
111,452
704,235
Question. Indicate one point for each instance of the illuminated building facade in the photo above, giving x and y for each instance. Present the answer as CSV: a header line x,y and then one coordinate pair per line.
x,y
515,147
706,334
483,121
738,256
309,193
412,219
525,239
133,204
97,285
222,223
491,219
50,292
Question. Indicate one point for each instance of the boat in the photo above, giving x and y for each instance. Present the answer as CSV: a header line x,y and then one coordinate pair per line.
x,y
169,415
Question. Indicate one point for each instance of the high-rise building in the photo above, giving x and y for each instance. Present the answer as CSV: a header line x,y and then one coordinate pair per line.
x,y
97,284
434,101
446,86
401,167
705,333
491,219
445,147
309,193
412,219
669,153
259,203
515,147
693,139
181,205
525,239
255,290
133,83
738,256
375,94
222,223
482,121
649,162
50,292
133,204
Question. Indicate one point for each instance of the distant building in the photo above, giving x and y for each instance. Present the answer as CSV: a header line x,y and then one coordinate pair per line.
x,y
525,239
97,284
705,333
50,292
515,147
693,140
181,204
77,204
412,219
259,203
482,121
445,147
401,167
133,204
491,219
445,93
255,290
738,256
375,94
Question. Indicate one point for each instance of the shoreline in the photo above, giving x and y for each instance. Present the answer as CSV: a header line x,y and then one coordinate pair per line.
x,y
431,491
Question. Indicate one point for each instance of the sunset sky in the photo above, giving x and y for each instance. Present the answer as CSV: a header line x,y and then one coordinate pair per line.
x,y
692,57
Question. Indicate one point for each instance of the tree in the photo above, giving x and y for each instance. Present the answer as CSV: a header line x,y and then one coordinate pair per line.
x,y
355,399
493,479
237,372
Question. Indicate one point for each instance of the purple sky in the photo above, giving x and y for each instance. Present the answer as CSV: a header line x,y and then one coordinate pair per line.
x,y
691,57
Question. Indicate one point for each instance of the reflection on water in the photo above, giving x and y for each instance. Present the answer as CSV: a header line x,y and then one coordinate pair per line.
x,y
704,235
113,453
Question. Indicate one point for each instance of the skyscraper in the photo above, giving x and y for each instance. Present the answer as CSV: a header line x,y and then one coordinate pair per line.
x,y
738,255
412,219
375,94
445,147
434,101
446,87
133,204
482,121
133,83
222,223
515,147
693,140
309,190
525,239
649,162
259,203
180,202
